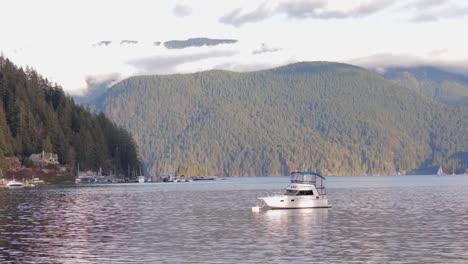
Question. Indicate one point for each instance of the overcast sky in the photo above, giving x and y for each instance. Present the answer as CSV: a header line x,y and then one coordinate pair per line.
x,y
86,43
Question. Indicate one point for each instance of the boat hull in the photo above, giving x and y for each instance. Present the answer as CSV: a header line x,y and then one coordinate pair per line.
x,y
14,184
295,202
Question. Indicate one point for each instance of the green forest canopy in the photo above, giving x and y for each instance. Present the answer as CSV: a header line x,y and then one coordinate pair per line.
x,y
333,118
36,115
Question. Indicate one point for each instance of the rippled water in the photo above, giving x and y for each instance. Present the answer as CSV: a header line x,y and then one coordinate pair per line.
x,y
411,219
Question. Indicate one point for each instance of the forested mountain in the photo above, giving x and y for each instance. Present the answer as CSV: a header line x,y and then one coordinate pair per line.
x,y
334,118
442,86
36,115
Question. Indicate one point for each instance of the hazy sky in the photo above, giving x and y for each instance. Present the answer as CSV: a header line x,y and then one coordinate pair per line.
x,y
86,43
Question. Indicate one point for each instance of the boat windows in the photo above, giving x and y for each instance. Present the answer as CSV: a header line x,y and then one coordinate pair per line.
x,y
291,192
310,192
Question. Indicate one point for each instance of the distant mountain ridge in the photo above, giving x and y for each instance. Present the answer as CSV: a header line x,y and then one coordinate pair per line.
x,y
334,118
440,85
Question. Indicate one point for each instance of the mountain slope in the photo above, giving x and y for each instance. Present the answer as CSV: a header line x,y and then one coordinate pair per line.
x,y
36,115
334,118
445,87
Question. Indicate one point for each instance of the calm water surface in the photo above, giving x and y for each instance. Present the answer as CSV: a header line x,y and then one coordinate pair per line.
x,y
411,219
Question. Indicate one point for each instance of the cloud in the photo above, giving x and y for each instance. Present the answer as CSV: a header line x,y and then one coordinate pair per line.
x,y
427,4
96,85
196,42
434,10
445,13
103,43
265,49
180,10
319,9
388,60
437,52
301,9
168,64
157,43
305,9
237,19
127,41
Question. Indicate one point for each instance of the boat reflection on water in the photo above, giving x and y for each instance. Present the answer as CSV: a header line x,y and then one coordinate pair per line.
x,y
303,218
305,223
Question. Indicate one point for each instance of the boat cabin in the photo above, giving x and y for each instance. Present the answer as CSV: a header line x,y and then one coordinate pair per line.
x,y
301,182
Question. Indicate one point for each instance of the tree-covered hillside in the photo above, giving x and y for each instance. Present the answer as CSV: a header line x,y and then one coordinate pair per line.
x,y
445,87
334,118
36,115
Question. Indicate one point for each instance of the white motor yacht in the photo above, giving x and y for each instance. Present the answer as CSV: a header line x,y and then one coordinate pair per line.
x,y
307,190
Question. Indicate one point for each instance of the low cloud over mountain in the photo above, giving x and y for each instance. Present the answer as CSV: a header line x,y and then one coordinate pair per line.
x,y
96,86
168,64
381,61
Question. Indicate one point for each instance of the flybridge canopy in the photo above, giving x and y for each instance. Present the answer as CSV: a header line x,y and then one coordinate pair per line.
x,y
305,176
308,177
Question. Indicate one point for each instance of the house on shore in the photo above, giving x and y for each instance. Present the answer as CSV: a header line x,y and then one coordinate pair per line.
x,y
45,158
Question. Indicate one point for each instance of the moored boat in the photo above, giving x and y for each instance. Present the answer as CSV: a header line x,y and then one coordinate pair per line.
x,y
37,181
440,171
141,179
306,190
15,184
203,178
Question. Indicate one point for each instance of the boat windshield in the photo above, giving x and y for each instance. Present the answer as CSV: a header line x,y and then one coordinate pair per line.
x,y
298,193
309,178
291,192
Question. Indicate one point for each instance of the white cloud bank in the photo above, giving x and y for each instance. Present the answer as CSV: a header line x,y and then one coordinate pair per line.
x,y
88,44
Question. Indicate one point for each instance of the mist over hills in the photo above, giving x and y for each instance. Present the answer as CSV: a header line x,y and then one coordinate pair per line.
x,y
329,117
442,86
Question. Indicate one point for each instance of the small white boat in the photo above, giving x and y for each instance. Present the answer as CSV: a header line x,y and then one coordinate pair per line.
x,y
440,171
15,184
141,179
36,181
307,190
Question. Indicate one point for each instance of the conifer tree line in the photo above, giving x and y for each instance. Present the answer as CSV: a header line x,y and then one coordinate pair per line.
x,y
36,115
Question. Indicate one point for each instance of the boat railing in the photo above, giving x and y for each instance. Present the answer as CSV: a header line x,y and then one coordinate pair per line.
x,y
322,191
